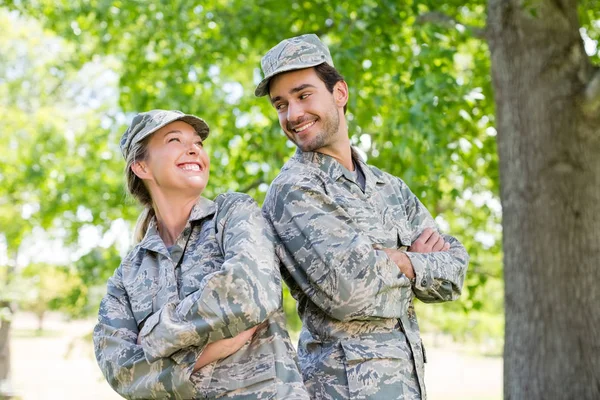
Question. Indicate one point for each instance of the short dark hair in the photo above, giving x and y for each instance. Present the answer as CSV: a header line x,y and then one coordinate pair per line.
x,y
330,76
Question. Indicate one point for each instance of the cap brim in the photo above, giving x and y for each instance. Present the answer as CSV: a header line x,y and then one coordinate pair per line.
x,y
198,124
263,87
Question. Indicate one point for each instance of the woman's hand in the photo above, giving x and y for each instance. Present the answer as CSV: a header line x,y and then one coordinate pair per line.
x,y
223,348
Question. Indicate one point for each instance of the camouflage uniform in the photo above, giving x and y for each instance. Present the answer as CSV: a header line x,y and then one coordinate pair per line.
x,y
226,283
360,338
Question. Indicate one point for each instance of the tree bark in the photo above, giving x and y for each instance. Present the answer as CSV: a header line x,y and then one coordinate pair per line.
x,y
5,324
549,151
4,352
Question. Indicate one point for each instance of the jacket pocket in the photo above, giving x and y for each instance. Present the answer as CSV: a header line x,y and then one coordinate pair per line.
x,y
252,378
380,369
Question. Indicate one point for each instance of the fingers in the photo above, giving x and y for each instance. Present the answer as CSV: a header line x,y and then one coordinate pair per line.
x,y
439,244
434,236
429,241
246,335
422,245
425,236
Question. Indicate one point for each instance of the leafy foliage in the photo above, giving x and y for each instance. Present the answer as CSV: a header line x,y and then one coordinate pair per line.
x,y
420,106
49,287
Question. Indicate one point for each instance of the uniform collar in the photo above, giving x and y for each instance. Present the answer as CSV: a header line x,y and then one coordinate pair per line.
x,y
333,168
152,241
202,209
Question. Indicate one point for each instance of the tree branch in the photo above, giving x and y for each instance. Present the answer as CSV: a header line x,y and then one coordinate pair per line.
x,y
252,185
444,20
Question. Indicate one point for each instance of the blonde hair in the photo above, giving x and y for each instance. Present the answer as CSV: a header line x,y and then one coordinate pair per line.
x,y
137,189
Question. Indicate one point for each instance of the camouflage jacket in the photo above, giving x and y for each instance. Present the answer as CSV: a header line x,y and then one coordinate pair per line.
x,y
227,282
360,338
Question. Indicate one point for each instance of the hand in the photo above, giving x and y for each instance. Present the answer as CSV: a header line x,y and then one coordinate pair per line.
x,y
223,348
429,241
402,261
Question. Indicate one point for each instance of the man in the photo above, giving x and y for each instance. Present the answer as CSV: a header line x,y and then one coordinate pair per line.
x,y
356,243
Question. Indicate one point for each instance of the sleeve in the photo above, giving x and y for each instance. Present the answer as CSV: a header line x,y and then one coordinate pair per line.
x,y
241,295
334,263
122,361
439,276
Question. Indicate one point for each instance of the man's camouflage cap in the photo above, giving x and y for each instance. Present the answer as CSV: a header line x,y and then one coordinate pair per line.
x,y
146,123
299,52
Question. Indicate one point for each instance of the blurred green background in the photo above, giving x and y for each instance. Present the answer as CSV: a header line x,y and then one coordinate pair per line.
x,y
73,74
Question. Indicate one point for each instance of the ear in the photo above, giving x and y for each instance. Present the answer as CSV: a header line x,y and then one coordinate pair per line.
x,y
140,169
340,93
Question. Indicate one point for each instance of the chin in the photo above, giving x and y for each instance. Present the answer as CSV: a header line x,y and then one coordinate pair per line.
x,y
197,184
309,146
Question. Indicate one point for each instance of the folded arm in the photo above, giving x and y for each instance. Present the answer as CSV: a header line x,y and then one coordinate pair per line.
x,y
439,275
331,260
122,361
241,295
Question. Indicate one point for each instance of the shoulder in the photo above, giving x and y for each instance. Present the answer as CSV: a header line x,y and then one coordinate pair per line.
x,y
297,176
230,198
133,257
233,203
386,177
380,174
130,263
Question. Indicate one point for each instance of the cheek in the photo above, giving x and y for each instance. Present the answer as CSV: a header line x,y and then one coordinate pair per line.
x,y
282,120
205,158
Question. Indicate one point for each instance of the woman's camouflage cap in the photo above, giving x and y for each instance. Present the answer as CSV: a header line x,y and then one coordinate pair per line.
x,y
146,123
299,52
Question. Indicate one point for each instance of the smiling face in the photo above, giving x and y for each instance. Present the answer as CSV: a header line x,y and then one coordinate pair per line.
x,y
309,114
176,162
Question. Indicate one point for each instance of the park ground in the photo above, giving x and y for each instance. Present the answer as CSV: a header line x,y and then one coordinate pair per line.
x,y
59,364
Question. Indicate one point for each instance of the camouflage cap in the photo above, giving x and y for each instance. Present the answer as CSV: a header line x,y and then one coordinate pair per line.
x,y
146,123
299,52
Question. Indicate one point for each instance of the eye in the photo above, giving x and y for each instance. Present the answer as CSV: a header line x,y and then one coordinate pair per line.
x,y
172,139
279,106
199,143
304,96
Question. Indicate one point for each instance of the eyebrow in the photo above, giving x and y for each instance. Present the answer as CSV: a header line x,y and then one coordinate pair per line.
x,y
181,133
294,90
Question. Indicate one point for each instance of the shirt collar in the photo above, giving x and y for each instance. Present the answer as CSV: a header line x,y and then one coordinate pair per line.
x,y
152,241
333,168
202,209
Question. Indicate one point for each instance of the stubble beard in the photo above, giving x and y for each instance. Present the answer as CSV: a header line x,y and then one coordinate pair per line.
x,y
323,138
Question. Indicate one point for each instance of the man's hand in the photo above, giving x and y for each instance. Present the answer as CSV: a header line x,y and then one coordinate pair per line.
x,y
428,242
402,261
223,348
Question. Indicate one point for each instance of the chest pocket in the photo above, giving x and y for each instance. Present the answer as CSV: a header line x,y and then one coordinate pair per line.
x,y
396,222
141,286
367,216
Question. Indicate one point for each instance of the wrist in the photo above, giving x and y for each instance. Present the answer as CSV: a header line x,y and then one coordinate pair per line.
x,y
407,268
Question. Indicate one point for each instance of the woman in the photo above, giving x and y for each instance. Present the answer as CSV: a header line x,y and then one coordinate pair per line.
x,y
195,309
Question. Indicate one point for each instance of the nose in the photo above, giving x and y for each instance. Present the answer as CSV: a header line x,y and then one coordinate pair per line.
x,y
192,150
295,112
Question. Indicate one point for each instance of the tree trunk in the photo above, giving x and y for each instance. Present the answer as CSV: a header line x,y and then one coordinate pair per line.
x,y
5,382
40,317
549,149
4,353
